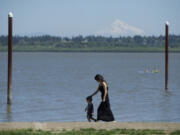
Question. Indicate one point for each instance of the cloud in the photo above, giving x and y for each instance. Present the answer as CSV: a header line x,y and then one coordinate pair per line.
x,y
120,28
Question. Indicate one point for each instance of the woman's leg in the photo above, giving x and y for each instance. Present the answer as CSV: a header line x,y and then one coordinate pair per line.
x,y
100,111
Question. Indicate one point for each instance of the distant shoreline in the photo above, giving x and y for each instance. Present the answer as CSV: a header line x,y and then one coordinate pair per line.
x,y
98,50
95,51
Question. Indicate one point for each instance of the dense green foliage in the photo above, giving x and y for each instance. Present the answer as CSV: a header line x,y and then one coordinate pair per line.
x,y
92,43
89,132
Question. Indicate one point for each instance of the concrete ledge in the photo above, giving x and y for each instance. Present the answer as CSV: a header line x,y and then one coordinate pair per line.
x,y
79,125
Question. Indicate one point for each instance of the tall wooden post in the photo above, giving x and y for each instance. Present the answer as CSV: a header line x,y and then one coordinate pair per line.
x,y
9,94
166,56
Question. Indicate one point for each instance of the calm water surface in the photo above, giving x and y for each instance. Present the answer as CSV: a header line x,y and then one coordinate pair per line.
x,y
53,86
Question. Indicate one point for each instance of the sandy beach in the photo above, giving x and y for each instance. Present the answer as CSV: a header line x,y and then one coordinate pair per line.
x,y
59,126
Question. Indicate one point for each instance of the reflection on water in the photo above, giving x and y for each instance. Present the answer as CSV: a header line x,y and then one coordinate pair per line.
x,y
53,86
9,113
165,108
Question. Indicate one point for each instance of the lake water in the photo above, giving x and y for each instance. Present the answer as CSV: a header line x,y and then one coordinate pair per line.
x,y
53,86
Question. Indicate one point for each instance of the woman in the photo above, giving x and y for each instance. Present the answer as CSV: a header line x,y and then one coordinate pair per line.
x,y
104,110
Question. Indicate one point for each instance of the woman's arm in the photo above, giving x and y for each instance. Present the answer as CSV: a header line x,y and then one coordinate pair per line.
x,y
105,91
95,92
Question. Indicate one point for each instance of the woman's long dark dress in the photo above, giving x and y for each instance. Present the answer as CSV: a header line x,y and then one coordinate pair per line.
x,y
104,112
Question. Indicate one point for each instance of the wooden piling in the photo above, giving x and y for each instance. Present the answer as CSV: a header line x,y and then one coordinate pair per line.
x,y
166,56
9,94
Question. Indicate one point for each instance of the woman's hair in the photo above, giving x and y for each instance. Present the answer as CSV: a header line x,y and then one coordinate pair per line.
x,y
99,77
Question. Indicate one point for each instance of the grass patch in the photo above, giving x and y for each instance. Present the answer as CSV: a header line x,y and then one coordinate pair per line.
x,y
177,132
89,131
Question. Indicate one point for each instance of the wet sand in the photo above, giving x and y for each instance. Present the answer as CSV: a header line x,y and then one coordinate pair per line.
x,y
59,126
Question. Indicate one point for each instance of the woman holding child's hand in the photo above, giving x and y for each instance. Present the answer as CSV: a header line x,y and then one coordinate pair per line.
x,y
104,110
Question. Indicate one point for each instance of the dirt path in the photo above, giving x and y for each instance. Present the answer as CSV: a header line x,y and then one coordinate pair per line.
x,y
78,125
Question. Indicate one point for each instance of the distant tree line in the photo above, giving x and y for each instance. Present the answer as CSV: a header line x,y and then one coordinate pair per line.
x,y
92,41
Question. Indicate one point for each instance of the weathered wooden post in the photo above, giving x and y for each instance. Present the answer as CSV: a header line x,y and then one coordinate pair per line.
x,y
10,21
166,56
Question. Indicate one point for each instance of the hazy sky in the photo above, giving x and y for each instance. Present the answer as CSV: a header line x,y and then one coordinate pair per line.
x,y
90,17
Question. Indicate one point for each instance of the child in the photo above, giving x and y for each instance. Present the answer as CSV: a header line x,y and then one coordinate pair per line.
x,y
90,109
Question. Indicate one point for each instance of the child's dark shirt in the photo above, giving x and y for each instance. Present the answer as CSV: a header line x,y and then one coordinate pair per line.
x,y
90,109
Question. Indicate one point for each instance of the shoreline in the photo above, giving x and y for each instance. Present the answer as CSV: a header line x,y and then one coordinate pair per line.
x,y
60,126
92,51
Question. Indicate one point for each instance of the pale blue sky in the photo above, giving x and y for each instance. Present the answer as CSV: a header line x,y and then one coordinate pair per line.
x,y
89,17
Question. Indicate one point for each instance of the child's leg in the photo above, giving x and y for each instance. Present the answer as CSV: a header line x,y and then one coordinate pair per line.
x,y
93,119
89,119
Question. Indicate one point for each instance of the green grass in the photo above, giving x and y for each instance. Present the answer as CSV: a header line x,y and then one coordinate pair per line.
x,y
177,132
89,131
39,48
